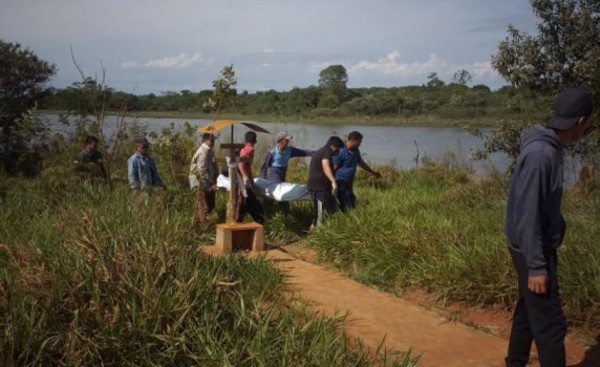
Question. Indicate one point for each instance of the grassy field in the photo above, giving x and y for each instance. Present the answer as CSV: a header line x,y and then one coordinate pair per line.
x,y
442,232
90,276
94,277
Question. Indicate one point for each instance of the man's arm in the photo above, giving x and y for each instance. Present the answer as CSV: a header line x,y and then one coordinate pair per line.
x,y
329,174
527,212
366,167
301,152
133,174
246,172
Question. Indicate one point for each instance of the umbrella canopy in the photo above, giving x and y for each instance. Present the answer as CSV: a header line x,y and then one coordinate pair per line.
x,y
218,125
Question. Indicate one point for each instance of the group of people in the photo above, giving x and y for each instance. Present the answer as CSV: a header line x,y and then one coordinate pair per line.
x,y
141,168
331,174
534,226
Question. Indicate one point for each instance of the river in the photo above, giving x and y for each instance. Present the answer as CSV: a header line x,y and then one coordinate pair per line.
x,y
395,145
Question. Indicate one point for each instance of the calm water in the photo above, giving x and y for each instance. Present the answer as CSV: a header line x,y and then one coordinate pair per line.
x,y
398,145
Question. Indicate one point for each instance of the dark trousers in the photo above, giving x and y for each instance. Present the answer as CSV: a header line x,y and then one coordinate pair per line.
x,y
205,203
345,196
537,318
324,204
250,204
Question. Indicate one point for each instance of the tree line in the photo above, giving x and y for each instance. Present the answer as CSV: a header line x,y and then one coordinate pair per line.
x,y
330,97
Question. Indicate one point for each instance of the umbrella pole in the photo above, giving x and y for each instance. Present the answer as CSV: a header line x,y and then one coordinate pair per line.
x,y
232,203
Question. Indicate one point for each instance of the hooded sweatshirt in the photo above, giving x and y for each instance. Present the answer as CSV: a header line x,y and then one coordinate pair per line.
x,y
534,223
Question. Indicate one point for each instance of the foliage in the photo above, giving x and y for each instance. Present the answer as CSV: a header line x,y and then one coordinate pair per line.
x,y
462,77
434,82
90,113
22,83
98,277
333,80
565,52
224,90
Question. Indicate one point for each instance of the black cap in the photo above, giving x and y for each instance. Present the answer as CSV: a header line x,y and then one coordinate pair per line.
x,y
569,106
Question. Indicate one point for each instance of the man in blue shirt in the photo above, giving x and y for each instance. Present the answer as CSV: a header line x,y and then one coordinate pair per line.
x,y
141,169
345,165
274,167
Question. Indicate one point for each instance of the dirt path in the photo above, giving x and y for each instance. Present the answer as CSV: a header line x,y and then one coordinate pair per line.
x,y
373,315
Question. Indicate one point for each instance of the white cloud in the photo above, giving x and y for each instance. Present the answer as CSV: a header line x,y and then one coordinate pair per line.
x,y
268,50
392,65
181,61
482,69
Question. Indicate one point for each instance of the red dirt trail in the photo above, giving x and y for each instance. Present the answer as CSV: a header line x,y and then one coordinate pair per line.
x,y
373,315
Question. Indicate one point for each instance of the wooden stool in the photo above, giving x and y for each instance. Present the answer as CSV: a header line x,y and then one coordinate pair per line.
x,y
240,236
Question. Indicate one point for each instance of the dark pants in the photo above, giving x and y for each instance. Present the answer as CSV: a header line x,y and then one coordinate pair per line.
x,y
345,196
537,317
250,204
324,204
205,203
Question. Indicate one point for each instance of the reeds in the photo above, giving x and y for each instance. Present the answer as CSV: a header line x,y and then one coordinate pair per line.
x,y
99,277
442,231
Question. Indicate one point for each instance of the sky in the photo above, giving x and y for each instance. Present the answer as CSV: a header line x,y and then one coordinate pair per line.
x,y
155,46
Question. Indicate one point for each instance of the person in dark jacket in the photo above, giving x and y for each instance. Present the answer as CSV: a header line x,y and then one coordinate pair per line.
x,y
321,180
535,228
90,159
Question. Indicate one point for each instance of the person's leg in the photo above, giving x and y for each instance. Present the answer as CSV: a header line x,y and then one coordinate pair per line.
x,y
547,320
539,317
343,195
211,199
329,203
201,207
521,337
351,197
255,207
242,207
317,208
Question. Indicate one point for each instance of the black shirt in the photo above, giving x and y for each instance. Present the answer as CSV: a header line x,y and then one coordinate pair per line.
x,y
317,181
87,157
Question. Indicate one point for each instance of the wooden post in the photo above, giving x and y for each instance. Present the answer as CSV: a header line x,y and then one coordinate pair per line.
x,y
231,213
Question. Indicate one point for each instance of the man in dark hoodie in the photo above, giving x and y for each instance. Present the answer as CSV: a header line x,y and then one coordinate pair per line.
x,y
535,228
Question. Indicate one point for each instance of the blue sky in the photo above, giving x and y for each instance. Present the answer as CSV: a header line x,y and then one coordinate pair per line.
x,y
158,45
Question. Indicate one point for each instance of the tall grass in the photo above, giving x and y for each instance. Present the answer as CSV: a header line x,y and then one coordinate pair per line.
x,y
90,276
443,232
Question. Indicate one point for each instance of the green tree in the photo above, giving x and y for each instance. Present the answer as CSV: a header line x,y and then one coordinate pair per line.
x,y
332,81
433,82
462,77
565,52
224,90
22,83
